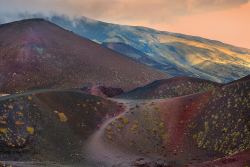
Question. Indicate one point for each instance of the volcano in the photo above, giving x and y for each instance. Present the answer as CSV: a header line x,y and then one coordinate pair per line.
x,y
37,54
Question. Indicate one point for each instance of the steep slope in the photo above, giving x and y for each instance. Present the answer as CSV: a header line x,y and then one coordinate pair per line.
x,y
135,54
37,54
194,56
168,88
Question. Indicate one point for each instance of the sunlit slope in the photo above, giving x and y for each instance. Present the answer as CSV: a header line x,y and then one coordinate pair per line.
x,y
186,130
194,56
37,54
168,88
135,54
50,125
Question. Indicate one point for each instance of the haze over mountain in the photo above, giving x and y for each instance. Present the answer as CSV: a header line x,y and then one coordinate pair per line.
x,y
37,54
193,56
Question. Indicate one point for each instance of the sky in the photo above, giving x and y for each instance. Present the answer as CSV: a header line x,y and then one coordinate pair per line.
x,y
223,20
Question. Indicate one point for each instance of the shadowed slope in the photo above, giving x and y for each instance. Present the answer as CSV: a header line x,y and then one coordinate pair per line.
x,y
50,125
37,54
168,88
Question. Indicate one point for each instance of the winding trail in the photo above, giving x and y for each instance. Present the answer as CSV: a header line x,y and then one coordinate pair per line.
x,y
104,155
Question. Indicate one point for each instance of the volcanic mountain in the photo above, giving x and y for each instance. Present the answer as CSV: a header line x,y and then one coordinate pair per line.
x,y
59,128
135,54
37,54
193,56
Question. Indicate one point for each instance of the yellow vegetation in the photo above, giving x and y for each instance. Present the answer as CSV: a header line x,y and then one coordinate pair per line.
x,y
3,122
29,98
161,126
112,123
30,130
136,122
10,107
134,127
19,123
3,131
20,114
63,117
109,137
108,128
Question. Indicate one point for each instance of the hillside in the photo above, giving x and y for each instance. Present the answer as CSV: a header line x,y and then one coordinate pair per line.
x,y
193,56
135,54
169,88
59,128
37,54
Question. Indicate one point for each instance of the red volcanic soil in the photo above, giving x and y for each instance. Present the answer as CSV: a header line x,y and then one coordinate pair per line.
x,y
37,54
168,88
208,128
203,129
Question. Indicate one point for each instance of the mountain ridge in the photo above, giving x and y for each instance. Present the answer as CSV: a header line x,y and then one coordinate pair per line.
x,y
182,51
62,59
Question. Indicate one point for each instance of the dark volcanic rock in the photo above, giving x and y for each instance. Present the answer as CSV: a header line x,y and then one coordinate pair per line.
x,y
111,92
102,91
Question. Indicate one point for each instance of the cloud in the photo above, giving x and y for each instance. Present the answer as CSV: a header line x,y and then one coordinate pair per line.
x,y
117,11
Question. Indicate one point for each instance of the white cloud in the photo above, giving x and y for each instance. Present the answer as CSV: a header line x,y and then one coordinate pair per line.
x,y
117,11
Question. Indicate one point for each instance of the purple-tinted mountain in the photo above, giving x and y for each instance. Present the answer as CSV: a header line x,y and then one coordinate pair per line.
x,y
37,54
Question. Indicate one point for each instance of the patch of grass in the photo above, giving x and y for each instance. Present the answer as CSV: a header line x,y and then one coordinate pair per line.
x,y
109,137
194,136
125,120
62,117
112,123
3,131
158,109
136,122
30,130
134,127
161,126
108,128
120,126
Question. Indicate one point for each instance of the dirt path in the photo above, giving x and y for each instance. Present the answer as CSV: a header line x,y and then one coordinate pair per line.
x,y
103,154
